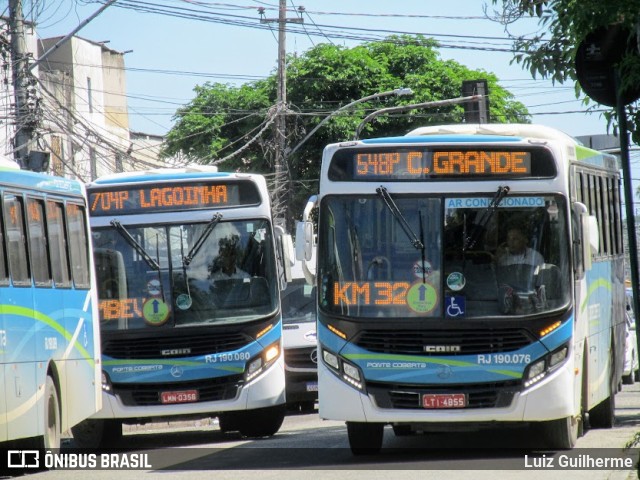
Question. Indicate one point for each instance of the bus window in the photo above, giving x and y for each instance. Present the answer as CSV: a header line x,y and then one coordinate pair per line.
x,y
57,244
16,237
38,242
78,241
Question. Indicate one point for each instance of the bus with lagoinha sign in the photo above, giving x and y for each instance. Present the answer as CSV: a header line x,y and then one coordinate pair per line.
x,y
189,286
467,275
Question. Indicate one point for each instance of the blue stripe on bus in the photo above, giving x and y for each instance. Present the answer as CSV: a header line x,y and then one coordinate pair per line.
x,y
26,179
443,369
187,368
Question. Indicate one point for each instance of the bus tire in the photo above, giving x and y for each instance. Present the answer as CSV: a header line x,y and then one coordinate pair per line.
x,y
262,422
229,422
632,377
562,434
365,438
97,433
51,436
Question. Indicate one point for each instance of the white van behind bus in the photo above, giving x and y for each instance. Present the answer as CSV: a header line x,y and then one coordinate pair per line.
x,y
298,302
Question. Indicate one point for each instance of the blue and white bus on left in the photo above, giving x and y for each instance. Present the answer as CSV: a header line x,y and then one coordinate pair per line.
x,y
189,298
49,336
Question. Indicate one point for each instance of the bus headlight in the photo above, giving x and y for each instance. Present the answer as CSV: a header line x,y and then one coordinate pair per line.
x,y
330,359
347,371
558,356
106,382
535,373
262,361
542,367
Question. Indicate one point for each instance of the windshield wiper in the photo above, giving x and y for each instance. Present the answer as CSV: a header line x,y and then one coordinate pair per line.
x,y
397,214
135,245
485,216
423,256
202,238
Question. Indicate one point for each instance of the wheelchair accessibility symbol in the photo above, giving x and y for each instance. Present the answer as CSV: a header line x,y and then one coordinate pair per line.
x,y
455,306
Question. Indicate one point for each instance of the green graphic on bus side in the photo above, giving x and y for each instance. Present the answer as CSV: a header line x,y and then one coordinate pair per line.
x,y
42,318
593,286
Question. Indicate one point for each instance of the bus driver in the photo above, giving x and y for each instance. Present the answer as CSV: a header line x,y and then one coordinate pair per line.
x,y
516,252
225,266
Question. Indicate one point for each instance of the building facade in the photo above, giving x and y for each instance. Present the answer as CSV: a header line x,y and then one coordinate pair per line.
x,y
79,106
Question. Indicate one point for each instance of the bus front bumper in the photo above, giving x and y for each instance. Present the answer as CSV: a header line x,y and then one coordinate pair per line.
x,y
266,390
549,399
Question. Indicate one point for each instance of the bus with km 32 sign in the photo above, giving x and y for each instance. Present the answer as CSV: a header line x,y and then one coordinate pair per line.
x,y
49,332
188,283
468,276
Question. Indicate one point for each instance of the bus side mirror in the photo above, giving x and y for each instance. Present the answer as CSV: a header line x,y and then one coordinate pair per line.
x,y
304,241
305,236
587,241
591,238
284,247
594,236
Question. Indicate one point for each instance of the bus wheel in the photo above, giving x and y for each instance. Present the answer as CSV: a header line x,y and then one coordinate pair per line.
x,y
562,434
51,437
97,433
262,422
365,438
229,422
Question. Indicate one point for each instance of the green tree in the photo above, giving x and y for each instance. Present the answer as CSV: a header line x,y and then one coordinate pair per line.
x,y
223,119
564,24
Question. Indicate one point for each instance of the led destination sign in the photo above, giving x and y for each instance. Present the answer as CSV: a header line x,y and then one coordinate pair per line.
x,y
443,163
405,163
152,198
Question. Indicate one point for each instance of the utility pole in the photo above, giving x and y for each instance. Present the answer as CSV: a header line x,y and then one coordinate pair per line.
x,y
476,112
24,118
281,176
26,114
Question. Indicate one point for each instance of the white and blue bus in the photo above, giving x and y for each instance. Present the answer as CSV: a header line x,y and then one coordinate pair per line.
x,y
431,316
188,286
49,334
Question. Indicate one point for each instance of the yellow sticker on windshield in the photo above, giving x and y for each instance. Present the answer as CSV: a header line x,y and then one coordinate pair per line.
x,y
155,312
422,297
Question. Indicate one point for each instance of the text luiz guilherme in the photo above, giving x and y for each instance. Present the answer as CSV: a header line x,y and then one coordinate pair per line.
x,y
582,461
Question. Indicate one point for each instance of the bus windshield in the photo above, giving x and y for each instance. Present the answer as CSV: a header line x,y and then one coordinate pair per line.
x,y
455,257
207,273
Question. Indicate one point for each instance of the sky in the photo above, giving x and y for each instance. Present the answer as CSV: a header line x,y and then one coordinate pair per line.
x,y
196,41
